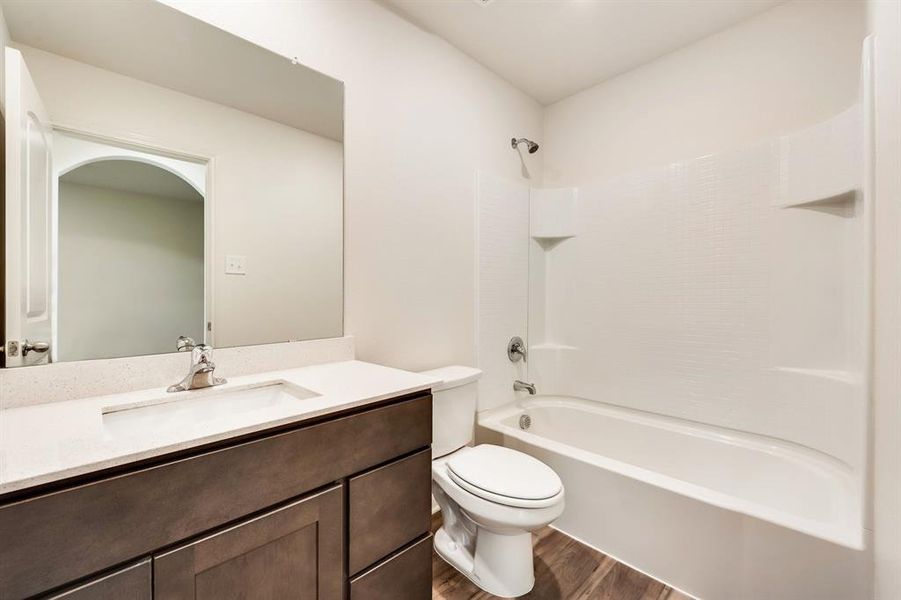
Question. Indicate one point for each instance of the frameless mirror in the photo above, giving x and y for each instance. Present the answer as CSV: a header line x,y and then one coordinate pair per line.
x,y
163,178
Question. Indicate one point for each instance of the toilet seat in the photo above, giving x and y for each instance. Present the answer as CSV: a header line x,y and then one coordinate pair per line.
x,y
505,476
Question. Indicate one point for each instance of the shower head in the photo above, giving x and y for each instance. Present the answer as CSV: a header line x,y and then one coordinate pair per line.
x,y
533,147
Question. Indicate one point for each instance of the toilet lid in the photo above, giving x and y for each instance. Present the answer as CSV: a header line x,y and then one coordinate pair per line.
x,y
505,476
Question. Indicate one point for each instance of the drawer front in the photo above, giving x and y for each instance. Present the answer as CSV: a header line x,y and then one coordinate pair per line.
x,y
60,537
405,576
131,583
389,507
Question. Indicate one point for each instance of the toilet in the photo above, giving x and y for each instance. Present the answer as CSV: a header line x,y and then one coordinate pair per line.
x,y
491,498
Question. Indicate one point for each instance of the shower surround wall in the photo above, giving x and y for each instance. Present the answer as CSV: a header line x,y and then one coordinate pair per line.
x,y
731,290
728,289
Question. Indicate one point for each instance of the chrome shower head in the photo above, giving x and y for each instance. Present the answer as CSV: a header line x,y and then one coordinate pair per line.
x,y
532,146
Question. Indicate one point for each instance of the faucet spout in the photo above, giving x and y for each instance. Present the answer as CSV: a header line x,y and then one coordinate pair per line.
x,y
522,386
201,374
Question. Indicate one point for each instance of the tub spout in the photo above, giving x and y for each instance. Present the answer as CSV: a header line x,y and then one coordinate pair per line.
x,y
522,386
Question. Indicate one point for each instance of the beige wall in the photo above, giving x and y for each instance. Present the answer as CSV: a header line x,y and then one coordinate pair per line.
x,y
130,272
276,195
788,68
421,118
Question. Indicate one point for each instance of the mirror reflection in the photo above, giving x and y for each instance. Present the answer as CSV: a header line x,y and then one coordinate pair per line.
x,y
164,179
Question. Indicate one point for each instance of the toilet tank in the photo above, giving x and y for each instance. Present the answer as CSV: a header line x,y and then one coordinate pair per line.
x,y
453,407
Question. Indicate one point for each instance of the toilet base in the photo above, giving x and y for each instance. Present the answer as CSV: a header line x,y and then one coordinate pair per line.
x,y
502,564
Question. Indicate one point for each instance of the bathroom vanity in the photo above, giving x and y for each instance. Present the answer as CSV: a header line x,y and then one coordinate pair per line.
x,y
286,481
335,504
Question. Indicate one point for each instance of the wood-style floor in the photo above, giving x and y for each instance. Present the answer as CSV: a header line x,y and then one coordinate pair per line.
x,y
564,570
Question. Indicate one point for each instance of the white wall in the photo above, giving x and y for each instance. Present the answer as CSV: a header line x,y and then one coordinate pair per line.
x,y
885,24
130,272
421,119
276,195
788,68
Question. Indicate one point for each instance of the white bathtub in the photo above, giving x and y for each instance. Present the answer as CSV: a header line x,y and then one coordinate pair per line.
x,y
714,512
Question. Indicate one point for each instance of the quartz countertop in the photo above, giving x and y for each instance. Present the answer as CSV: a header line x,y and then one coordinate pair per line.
x,y
48,442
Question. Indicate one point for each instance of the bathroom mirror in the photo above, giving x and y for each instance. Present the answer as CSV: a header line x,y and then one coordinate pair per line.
x,y
163,178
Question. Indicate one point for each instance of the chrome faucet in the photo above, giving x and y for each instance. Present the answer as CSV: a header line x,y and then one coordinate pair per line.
x,y
522,386
202,371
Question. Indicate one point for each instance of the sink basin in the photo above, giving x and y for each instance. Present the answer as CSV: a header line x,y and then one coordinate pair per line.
x,y
205,407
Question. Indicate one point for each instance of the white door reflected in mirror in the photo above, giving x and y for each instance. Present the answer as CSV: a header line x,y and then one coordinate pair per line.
x,y
29,164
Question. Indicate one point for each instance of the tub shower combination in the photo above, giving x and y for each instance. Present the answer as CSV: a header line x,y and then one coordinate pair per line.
x,y
699,336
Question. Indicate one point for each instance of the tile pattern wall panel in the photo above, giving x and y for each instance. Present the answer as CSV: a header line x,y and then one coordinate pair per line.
x,y
689,292
503,284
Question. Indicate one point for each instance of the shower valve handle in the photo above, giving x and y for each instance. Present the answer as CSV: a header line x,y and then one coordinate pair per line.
x,y
516,349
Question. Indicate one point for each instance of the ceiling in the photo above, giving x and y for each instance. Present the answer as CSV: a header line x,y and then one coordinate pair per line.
x,y
152,42
551,49
132,176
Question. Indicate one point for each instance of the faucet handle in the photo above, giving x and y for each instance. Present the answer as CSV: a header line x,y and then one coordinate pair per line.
x,y
516,349
185,343
202,353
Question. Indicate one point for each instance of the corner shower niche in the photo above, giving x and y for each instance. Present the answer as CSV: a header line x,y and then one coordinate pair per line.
x,y
552,214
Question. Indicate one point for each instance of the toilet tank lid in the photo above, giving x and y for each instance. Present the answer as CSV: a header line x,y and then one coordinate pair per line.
x,y
453,376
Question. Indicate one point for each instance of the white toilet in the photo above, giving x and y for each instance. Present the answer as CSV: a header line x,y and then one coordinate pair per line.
x,y
491,498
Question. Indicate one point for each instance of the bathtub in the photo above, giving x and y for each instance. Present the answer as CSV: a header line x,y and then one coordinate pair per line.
x,y
716,513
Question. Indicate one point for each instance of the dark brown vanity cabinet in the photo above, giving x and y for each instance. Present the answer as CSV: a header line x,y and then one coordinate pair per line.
x,y
324,510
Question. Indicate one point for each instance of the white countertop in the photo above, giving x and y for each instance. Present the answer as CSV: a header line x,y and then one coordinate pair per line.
x,y
49,442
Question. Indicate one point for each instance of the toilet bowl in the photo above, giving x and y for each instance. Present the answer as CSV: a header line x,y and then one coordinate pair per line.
x,y
491,498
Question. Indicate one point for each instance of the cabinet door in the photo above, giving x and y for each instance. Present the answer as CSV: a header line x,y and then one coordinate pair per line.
x,y
295,551
131,583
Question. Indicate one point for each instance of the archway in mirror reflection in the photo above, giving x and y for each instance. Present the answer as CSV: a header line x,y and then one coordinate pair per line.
x,y
131,259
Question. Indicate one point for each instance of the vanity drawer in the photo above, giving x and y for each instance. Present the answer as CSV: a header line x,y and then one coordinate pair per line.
x,y
59,537
389,506
405,576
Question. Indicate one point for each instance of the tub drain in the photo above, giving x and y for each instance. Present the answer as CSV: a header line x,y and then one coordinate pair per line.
x,y
525,421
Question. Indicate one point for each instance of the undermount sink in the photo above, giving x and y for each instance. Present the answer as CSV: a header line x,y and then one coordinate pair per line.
x,y
202,407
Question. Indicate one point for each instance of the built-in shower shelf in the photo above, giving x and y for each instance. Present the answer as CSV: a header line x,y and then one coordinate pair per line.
x,y
552,238
843,201
551,346
549,243
552,215
822,165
